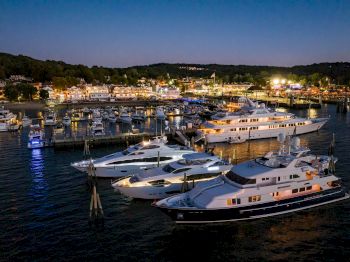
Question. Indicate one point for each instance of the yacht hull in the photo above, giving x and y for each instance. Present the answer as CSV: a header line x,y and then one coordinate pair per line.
x,y
194,216
261,134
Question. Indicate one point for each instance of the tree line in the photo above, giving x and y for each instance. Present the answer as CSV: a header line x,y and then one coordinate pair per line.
x,y
24,91
63,75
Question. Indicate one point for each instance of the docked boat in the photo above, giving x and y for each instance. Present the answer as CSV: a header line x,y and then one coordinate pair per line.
x,y
138,116
26,121
256,122
66,120
124,117
7,119
50,119
160,113
75,117
136,158
97,128
36,137
161,182
112,118
59,128
276,184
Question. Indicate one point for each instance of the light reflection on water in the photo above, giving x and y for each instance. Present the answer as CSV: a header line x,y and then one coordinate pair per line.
x,y
39,184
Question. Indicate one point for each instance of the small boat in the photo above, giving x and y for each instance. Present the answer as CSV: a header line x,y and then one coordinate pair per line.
x,y
36,137
112,118
7,119
75,117
125,118
50,119
160,113
66,120
97,128
138,116
59,128
278,183
161,182
26,121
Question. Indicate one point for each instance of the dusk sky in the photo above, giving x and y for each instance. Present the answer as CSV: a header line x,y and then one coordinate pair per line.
x,y
127,33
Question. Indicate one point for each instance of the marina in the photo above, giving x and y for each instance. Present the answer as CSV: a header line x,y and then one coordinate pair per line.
x,y
50,176
170,131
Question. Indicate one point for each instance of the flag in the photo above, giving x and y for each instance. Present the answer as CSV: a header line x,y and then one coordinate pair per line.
x,y
213,75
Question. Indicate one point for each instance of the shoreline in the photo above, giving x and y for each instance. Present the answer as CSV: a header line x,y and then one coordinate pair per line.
x,y
23,105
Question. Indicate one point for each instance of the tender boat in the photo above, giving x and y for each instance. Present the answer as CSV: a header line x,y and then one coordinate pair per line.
x,y
256,122
136,158
161,182
36,137
272,185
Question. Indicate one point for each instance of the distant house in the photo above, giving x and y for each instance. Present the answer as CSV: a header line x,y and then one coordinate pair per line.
x,y
75,94
20,78
99,93
125,92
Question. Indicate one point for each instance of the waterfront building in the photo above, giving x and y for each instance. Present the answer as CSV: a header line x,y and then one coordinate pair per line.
x,y
100,93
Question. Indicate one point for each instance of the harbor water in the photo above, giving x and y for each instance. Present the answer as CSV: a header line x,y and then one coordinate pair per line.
x,y
44,211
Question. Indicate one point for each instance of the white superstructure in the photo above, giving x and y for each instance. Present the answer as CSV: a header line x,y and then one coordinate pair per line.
x,y
277,183
160,182
135,158
256,122
7,119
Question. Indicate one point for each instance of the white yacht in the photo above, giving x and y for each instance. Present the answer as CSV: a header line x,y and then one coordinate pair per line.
x,y
112,118
138,116
97,128
161,182
256,122
66,120
36,137
50,119
26,121
275,184
124,117
7,119
160,113
136,158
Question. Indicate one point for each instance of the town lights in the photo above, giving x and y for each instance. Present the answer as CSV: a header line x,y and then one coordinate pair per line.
x,y
283,81
276,81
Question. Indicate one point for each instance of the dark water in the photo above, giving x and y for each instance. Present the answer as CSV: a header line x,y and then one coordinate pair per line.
x,y
44,212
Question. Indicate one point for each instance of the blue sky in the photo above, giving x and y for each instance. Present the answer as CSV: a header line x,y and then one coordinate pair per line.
x,y
125,33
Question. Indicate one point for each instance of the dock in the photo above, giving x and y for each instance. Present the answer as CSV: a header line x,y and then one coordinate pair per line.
x,y
62,142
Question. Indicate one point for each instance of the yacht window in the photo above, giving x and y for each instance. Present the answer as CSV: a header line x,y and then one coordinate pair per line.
x,y
254,198
160,182
168,169
309,188
219,163
302,189
150,147
202,176
233,129
125,152
137,153
236,201
181,170
239,180
295,191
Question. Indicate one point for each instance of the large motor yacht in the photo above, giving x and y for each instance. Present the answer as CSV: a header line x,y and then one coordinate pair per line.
x,y
267,186
160,182
256,122
135,158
